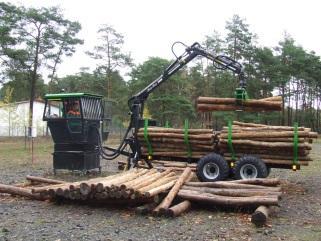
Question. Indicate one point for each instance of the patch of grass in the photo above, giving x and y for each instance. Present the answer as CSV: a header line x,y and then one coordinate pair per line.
x,y
15,151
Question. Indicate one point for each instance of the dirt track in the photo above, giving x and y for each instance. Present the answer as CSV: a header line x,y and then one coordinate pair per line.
x,y
298,218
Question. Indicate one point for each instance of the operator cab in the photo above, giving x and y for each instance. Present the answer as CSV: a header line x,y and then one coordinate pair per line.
x,y
76,122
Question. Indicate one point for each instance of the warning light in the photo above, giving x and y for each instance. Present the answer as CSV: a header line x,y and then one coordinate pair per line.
x,y
232,164
149,157
294,168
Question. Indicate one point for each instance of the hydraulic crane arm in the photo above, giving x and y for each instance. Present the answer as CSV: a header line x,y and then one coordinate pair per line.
x,y
136,102
195,50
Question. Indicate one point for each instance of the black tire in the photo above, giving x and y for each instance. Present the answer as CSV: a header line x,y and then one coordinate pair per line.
x,y
211,168
249,167
268,171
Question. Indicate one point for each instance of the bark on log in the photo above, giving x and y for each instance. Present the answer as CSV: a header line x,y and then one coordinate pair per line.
x,y
233,192
175,140
153,179
266,144
168,178
152,173
210,107
247,124
44,180
270,134
258,151
232,101
228,201
160,189
260,216
180,136
167,201
19,191
237,128
178,209
175,130
260,181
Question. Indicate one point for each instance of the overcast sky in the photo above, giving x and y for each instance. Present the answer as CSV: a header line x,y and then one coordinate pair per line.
x,y
150,27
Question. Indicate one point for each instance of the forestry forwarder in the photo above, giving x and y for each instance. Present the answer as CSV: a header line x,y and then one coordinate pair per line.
x,y
78,142
136,102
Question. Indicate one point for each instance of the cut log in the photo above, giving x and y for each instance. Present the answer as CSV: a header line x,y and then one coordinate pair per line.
x,y
175,140
260,181
44,180
178,209
210,107
19,191
159,189
167,201
277,134
248,103
260,216
233,192
175,130
247,124
168,178
180,136
228,201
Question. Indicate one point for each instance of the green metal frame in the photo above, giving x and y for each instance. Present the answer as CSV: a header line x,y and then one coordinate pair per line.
x,y
70,95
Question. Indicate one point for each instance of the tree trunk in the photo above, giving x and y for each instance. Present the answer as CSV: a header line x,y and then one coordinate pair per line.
x,y
260,216
167,201
44,180
228,201
24,192
178,209
33,82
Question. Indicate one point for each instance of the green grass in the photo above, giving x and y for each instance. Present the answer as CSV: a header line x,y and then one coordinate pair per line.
x,y
14,151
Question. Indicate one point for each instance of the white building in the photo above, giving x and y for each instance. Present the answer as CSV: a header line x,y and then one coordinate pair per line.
x,y
14,118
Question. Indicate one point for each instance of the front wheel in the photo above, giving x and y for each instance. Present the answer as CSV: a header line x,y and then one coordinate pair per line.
x,y
250,167
211,168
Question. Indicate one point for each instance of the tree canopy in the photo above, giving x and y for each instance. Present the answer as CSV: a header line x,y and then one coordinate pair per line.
x,y
35,39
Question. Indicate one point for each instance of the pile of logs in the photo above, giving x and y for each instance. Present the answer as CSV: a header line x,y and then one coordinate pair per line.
x,y
170,142
273,144
161,193
136,185
205,104
252,192
261,193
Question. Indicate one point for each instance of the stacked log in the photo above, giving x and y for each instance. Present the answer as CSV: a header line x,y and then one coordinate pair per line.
x,y
232,194
205,104
140,185
170,142
273,144
161,193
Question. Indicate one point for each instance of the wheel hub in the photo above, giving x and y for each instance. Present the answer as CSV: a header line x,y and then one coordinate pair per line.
x,y
248,171
211,171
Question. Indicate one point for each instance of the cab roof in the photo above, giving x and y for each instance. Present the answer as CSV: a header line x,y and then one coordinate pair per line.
x,y
70,95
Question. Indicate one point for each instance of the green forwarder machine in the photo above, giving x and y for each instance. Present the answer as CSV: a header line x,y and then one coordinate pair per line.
x,y
77,122
78,142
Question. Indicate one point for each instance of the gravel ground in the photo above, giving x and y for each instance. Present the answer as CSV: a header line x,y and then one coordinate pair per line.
x,y
298,218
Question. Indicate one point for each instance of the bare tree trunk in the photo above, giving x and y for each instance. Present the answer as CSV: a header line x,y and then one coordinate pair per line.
x,y
33,81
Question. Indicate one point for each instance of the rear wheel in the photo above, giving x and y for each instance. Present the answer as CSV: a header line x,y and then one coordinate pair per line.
x,y
250,167
211,168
